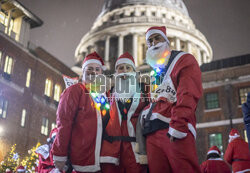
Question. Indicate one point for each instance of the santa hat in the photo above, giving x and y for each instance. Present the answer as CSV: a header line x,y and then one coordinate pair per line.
x,y
20,169
52,134
125,58
157,30
213,149
93,58
234,134
8,170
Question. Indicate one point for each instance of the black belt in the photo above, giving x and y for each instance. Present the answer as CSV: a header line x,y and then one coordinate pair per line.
x,y
236,160
119,138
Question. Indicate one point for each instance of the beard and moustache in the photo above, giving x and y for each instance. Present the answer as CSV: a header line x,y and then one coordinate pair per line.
x,y
157,56
126,85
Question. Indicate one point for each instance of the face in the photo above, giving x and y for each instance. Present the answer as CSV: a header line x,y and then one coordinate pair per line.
x,y
124,68
91,69
154,39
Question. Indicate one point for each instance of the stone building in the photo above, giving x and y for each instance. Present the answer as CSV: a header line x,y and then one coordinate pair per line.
x,y
122,24
30,81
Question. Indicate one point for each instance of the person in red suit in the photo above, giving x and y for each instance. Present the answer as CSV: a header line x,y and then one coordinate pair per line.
x,y
214,162
237,153
169,121
79,121
8,170
118,148
44,152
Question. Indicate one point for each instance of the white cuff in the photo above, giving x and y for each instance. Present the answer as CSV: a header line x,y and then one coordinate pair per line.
x,y
176,133
60,158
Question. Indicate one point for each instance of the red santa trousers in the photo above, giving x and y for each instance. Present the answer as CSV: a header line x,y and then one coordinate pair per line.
x,y
175,157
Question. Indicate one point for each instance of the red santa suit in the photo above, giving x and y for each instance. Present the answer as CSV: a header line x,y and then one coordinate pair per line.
x,y
214,164
174,113
44,152
121,151
79,126
237,153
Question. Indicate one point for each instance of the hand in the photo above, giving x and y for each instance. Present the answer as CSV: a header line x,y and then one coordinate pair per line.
x,y
172,138
60,165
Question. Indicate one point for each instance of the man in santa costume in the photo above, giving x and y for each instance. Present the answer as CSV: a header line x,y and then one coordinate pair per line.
x,y
118,147
79,122
237,153
169,121
214,162
44,152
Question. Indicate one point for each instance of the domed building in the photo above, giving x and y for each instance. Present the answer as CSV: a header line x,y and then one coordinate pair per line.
x,y
122,24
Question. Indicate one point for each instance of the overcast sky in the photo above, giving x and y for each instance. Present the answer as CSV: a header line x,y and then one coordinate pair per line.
x,y
225,24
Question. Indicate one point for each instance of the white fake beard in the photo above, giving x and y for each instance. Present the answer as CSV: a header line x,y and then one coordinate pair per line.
x,y
125,88
156,53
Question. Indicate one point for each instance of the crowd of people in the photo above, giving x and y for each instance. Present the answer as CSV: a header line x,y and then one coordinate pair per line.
x,y
129,132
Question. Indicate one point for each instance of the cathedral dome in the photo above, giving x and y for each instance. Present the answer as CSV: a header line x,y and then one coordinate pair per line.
x,y
178,5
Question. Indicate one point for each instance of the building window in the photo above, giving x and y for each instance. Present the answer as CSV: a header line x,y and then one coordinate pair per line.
x,y
216,139
57,92
23,118
45,126
28,76
3,107
0,56
245,136
243,94
132,14
153,13
143,13
53,125
212,100
164,15
48,87
8,65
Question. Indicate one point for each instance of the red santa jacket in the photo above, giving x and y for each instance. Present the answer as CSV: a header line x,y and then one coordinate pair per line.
x,y
110,152
178,95
79,130
238,155
215,165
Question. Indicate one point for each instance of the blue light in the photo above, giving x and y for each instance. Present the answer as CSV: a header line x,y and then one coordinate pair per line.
x,y
158,70
97,100
103,100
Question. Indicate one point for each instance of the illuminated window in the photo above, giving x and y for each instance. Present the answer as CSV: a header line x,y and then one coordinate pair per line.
x,y
245,135
28,76
0,56
216,139
23,118
243,94
53,125
212,100
57,92
48,87
45,126
8,65
3,108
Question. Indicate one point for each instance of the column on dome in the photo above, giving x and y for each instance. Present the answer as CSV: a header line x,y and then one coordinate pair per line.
x,y
107,49
177,43
135,48
120,43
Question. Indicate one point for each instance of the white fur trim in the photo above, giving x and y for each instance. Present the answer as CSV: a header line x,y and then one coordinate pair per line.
x,y
91,168
125,61
156,31
215,159
233,137
93,61
192,129
176,133
60,158
109,159
213,151
21,170
246,170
